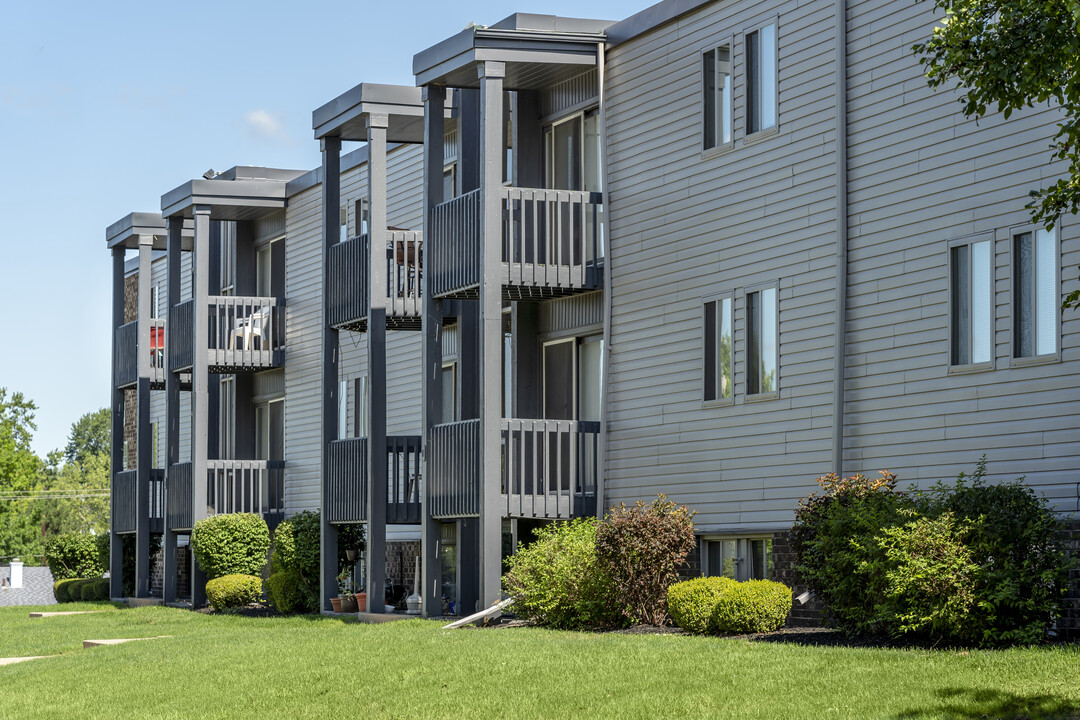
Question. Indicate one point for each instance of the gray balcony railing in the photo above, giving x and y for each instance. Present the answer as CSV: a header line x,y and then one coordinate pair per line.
x,y
244,334
124,504
347,294
347,487
126,353
549,468
178,511
552,243
454,469
251,486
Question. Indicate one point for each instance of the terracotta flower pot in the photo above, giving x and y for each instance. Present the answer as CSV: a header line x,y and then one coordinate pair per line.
x,y
361,602
336,603
348,603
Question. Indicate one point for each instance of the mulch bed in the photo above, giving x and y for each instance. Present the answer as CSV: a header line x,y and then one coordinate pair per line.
x,y
252,610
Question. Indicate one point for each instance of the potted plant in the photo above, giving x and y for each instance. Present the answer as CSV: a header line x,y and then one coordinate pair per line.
x,y
346,601
350,547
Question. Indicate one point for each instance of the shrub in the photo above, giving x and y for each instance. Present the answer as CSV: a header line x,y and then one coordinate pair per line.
x,y
555,580
61,590
74,589
76,555
101,589
233,591
230,544
286,591
836,552
296,550
691,603
1023,562
754,606
642,548
930,577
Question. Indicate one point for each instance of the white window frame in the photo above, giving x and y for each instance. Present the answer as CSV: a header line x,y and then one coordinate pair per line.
x,y
362,213
719,299
747,292
1014,272
343,409
988,298
761,131
360,406
343,224
722,100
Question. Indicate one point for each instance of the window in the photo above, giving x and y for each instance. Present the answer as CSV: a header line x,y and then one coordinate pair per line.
x,y
343,410
270,430
739,558
449,393
716,91
449,182
263,277
362,216
155,293
227,417
1035,293
761,341
971,302
360,400
343,224
718,349
761,79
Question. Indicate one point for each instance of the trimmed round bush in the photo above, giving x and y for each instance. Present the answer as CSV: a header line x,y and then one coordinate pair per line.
x,y
88,591
61,590
754,606
76,555
101,589
691,603
287,592
74,589
556,581
296,550
233,544
233,591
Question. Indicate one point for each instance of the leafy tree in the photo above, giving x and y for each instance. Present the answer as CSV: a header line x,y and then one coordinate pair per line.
x,y
20,469
90,436
1013,54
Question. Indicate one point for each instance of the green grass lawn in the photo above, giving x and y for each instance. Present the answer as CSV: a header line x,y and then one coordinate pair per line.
x,y
310,667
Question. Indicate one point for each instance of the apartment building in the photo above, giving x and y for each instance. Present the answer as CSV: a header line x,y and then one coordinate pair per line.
x,y
713,250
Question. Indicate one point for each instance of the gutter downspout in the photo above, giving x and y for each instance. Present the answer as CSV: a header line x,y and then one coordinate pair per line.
x,y
605,365
840,83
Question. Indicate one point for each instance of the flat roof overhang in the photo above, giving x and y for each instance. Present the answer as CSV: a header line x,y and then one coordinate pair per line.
x,y
236,194
346,115
538,51
126,231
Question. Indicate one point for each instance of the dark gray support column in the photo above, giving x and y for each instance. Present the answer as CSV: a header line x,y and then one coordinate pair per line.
x,y
525,380
331,201
200,381
431,372
116,555
375,554
528,141
172,405
213,386
491,332
143,442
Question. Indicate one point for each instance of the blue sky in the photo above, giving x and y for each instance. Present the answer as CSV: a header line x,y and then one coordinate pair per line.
x,y
106,106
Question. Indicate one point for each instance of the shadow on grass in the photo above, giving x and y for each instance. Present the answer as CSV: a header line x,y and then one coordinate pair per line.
x,y
966,703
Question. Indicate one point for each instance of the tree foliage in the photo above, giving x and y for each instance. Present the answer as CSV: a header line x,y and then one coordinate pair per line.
x,y
1014,54
89,437
20,471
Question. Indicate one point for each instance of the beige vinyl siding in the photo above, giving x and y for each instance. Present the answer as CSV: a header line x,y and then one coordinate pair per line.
x,y
921,175
303,351
684,226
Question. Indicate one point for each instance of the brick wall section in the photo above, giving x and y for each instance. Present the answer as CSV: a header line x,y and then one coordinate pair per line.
x,y
131,298
692,569
401,562
131,417
808,615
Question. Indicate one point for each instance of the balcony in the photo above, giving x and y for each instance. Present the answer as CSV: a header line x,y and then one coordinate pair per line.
x,y
347,486
126,354
244,334
124,505
551,244
232,486
349,278
549,468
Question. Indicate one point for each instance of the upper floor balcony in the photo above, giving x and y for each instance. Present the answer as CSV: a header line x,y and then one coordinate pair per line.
x,y
232,486
549,468
347,483
125,507
244,334
349,289
551,245
126,354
